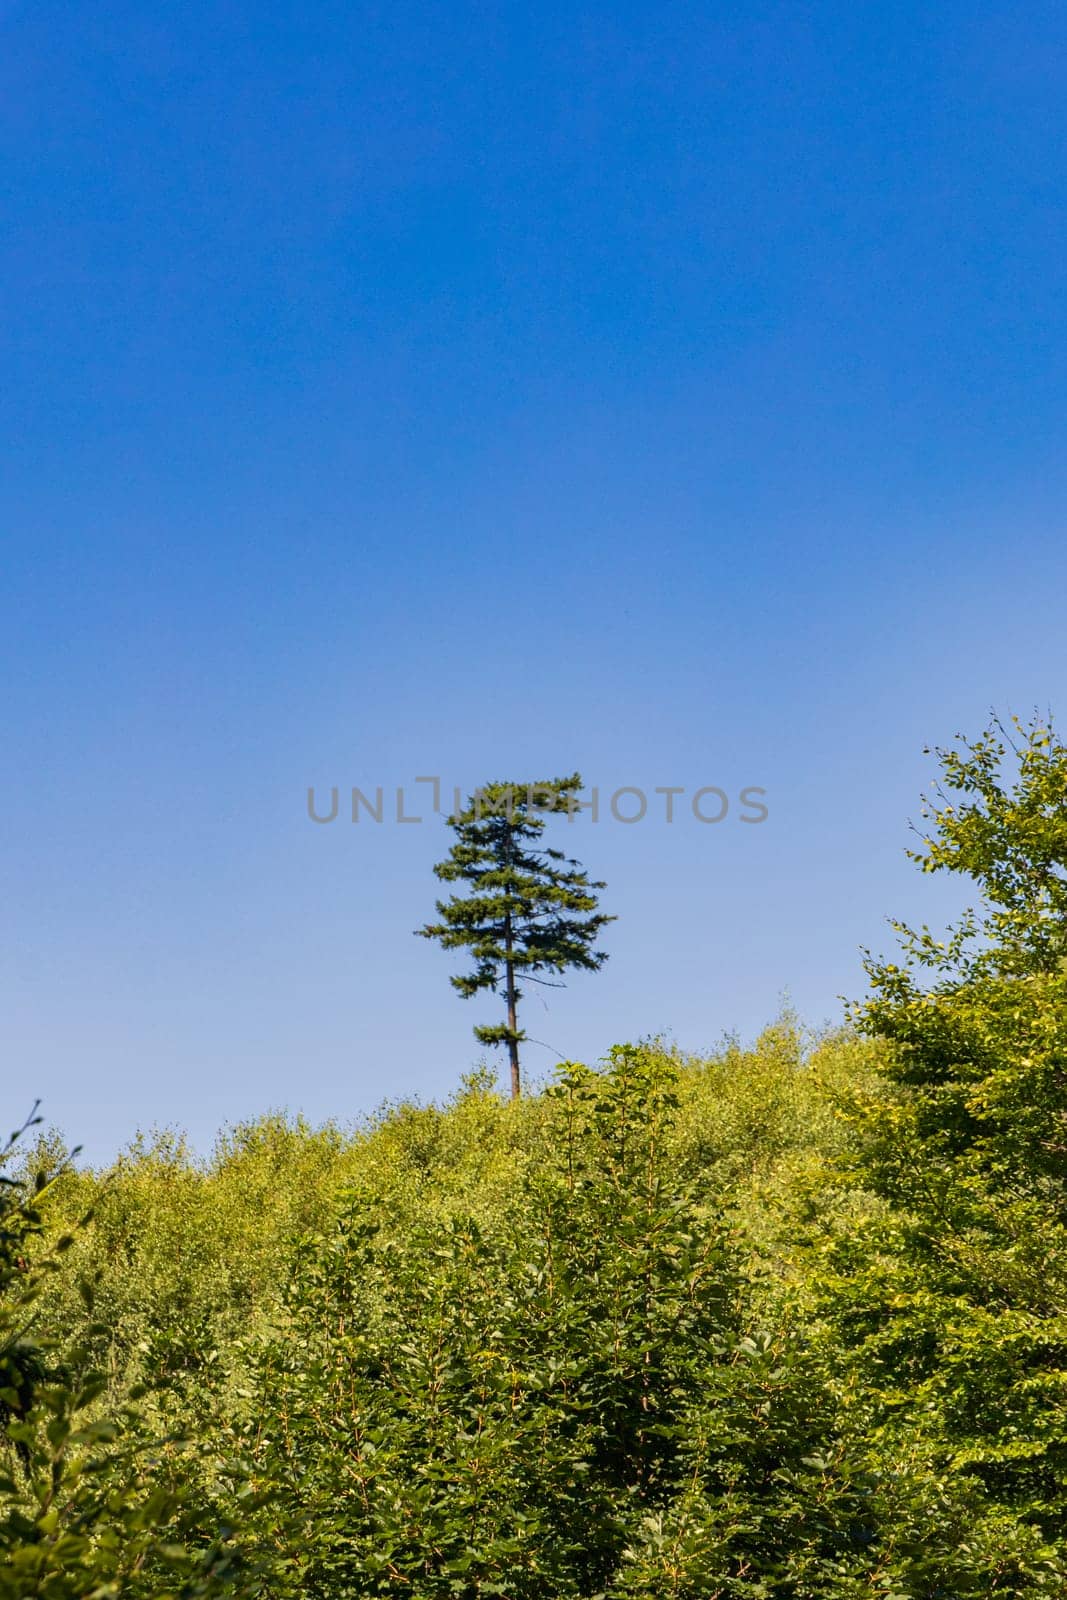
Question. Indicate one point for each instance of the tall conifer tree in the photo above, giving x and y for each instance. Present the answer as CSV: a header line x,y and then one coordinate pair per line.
x,y
528,908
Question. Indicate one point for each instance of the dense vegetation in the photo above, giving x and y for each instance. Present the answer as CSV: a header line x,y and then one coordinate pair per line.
x,y
787,1321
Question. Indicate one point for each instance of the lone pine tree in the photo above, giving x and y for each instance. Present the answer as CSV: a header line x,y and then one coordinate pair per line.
x,y
528,909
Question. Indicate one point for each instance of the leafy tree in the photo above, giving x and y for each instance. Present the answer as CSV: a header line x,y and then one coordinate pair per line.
x,y
528,908
1007,832
951,1304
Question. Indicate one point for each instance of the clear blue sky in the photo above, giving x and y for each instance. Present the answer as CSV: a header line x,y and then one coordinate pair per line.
x,y
672,392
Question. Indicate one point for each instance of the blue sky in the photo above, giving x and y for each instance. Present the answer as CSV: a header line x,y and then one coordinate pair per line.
x,y
674,393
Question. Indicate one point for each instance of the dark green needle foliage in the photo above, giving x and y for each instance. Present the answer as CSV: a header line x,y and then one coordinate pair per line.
x,y
526,908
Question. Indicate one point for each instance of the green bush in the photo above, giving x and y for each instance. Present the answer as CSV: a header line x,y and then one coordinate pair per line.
x,y
90,1504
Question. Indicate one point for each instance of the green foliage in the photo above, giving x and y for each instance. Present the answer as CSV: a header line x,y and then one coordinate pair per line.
x,y
1008,833
566,1402
185,1257
785,1323
528,908
952,1302
90,1505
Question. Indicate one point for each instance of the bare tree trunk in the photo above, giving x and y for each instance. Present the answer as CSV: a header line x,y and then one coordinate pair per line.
x,y
513,1026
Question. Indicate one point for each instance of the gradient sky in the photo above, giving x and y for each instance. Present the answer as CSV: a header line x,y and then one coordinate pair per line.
x,y
675,393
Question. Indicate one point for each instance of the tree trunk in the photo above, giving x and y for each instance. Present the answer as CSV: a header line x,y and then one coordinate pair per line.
x,y
513,1026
